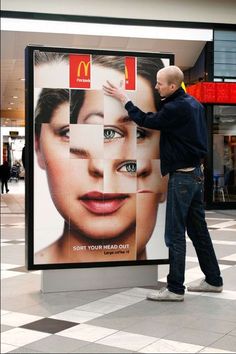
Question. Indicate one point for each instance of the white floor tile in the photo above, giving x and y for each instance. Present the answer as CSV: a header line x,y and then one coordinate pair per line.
x,y
76,316
6,348
87,332
192,259
17,319
9,274
21,336
224,243
100,307
169,346
231,257
7,266
224,266
125,340
3,312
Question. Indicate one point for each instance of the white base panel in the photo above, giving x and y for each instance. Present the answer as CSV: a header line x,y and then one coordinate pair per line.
x,y
98,278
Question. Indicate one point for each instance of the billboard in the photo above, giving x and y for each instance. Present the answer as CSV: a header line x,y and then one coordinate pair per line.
x,y
95,195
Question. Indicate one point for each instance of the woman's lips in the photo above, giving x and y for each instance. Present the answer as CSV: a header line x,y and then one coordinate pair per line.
x,y
103,204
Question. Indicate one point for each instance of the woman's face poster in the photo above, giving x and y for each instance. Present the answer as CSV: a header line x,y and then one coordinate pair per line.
x,y
99,196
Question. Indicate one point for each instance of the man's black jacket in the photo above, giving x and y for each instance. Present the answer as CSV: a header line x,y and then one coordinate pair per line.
x,y
181,120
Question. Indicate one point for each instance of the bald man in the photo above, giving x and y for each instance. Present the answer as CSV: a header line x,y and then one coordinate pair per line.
x,y
183,146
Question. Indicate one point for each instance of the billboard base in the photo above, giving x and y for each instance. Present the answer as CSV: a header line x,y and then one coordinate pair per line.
x,y
98,278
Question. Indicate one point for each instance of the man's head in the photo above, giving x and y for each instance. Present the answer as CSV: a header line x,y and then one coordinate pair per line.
x,y
169,79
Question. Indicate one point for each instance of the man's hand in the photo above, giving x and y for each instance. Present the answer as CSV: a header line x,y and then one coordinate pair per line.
x,y
116,92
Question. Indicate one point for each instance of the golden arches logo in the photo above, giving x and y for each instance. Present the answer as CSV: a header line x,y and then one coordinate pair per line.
x,y
126,73
85,67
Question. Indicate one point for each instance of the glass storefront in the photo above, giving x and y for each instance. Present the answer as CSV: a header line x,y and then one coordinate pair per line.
x,y
224,154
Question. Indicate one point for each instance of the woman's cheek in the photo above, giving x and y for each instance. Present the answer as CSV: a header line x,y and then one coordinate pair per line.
x,y
149,149
58,174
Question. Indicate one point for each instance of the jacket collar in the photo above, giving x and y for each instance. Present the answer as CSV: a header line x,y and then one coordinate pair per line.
x,y
179,92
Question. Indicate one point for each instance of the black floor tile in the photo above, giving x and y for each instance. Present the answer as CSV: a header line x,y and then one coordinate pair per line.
x,y
49,325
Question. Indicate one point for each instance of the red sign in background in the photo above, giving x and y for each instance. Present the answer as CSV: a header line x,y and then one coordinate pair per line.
x,y
80,71
213,92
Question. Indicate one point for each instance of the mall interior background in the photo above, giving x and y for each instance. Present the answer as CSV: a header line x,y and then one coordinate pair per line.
x,y
201,61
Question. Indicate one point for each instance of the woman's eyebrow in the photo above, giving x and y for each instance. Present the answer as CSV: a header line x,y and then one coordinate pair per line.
x,y
124,119
95,113
80,153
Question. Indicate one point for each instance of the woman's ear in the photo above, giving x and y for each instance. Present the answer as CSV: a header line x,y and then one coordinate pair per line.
x,y
39,154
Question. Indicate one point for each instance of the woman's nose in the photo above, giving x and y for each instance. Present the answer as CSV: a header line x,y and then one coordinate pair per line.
x,y
96,168
144,168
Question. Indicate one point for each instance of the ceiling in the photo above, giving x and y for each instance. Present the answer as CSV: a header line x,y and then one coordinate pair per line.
x,y
12,60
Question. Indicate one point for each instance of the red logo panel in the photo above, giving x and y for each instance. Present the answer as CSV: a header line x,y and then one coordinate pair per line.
x,y
130,73
80,71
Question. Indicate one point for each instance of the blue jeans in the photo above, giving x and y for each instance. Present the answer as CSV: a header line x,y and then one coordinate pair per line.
x,y
185,211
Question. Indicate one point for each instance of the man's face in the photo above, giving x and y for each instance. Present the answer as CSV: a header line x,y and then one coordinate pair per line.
x,y
164,88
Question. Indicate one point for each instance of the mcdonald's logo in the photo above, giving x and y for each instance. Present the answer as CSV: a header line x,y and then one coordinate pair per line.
x,y
130,73
85,66
80,71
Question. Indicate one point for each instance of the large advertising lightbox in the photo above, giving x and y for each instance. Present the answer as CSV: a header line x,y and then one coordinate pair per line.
x,y
95,195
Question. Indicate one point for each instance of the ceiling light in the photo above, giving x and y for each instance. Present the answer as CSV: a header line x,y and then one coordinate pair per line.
x,y
9,108
14,96
98,29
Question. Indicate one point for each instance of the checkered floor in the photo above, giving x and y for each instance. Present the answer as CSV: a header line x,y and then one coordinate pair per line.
x,y
116,320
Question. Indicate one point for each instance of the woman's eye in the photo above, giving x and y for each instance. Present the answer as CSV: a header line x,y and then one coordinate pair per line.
x,y
64,133
128,167
110,134
141,134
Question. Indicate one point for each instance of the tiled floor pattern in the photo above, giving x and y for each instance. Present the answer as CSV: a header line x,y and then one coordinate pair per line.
x,y
114,320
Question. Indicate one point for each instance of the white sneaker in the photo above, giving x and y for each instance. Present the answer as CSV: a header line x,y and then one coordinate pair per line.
x,y
205,287
164,295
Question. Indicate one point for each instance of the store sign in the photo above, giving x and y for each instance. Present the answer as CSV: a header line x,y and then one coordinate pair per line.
x,y
98,197
213,92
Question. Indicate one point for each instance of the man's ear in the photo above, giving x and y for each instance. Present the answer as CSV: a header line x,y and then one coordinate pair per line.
x,y
39,154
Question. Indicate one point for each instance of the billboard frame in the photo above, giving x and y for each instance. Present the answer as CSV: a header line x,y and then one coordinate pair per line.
x,y
29,177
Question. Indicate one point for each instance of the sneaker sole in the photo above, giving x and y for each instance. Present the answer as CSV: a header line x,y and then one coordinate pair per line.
x,y
169,300
205,291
